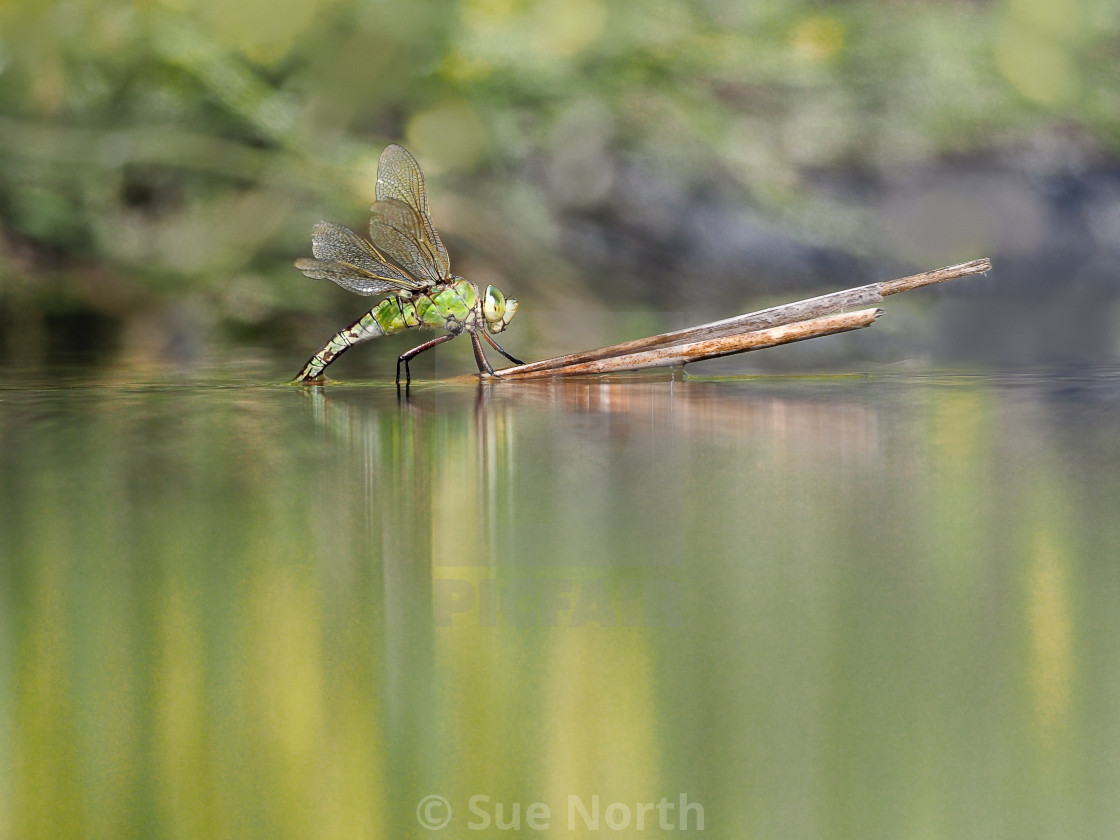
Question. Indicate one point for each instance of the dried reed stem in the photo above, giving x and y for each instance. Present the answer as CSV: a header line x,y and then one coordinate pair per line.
x,y
697,343
712,348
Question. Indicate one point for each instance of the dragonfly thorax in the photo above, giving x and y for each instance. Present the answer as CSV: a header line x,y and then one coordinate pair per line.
x,y
457,305
452,306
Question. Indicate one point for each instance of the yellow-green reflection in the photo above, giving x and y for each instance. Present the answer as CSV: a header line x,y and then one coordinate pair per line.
x,y
835,608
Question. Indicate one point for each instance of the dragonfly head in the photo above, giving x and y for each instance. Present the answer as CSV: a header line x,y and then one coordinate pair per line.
x,y
498,310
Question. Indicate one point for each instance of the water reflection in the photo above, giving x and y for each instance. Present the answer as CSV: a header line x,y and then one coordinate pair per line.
x,y
834,607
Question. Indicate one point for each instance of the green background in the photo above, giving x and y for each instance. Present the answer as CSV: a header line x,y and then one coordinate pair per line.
x,y
162,163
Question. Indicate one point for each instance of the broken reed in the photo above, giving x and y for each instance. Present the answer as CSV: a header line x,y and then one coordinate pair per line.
x,y
797,321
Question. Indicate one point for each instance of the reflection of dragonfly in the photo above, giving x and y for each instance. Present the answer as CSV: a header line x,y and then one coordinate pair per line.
x,y
408,260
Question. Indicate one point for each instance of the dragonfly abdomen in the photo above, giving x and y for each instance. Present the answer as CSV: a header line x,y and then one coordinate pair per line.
x,y
390,316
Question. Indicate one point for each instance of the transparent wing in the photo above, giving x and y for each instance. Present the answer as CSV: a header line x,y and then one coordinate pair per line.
x,y
399,177
398,231
348,260
347,277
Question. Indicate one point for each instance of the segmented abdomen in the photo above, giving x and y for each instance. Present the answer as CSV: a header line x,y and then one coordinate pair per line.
x,y
390,316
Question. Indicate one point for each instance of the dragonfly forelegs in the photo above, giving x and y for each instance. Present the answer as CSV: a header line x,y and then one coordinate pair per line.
x,y
501,350
414,352
484,365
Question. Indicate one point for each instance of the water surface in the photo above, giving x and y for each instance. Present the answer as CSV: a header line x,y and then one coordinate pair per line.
x,y
856,606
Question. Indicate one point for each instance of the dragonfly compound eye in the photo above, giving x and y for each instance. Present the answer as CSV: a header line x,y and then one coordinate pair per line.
x,y
511,310
493,308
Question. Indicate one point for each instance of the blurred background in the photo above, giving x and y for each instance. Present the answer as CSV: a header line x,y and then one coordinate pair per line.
x,y
620,167
224,611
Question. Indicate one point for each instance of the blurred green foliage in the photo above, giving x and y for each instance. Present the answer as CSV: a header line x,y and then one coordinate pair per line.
x,y
174,153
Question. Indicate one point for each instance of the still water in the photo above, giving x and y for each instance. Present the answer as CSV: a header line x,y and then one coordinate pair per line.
x,y
849,607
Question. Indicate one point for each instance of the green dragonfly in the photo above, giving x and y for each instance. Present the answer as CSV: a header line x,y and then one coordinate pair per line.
x,y
406,259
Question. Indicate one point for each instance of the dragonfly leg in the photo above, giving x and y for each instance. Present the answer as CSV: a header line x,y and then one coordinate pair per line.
x,y
416,351
501,350
480,356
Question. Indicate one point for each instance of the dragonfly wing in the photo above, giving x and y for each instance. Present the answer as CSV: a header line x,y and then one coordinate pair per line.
x,y
397,230
345,258
347,276
399,177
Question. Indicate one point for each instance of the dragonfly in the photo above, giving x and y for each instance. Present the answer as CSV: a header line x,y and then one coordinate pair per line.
x,y
406,259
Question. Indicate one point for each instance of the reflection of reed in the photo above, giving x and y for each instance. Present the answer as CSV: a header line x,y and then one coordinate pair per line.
x,y
707,409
